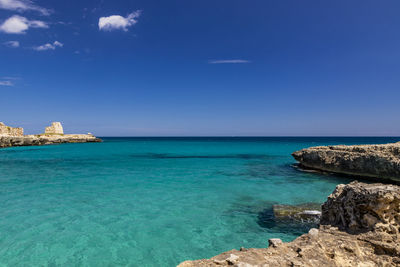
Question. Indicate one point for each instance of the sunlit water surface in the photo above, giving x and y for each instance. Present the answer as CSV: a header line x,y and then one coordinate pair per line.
x,y
151,201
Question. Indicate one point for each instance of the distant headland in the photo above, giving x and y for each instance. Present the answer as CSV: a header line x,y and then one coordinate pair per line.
x,y
53,134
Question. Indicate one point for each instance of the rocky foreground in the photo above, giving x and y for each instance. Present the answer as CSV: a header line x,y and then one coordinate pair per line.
x,y
360,226
377,161
38,140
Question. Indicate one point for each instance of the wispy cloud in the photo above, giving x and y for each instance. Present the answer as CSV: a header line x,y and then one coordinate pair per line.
x,y
23,5
13,44
49,46
117,22
229,61
6,83
19,25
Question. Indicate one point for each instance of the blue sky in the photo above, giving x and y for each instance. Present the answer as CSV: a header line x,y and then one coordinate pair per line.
x,y
227,67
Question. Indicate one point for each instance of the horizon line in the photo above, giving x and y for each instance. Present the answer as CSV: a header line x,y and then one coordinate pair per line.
x,y
239,136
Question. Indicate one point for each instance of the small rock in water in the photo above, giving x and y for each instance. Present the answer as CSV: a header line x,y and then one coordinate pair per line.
x,y
274,242
302,212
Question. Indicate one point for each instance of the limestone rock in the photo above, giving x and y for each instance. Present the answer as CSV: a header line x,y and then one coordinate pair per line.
x,y
10,131
10,137
377,161
55,128
38,140
359,227
274,242
303,212
360,207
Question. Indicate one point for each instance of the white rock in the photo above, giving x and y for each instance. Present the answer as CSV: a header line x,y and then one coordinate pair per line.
x,y
55,128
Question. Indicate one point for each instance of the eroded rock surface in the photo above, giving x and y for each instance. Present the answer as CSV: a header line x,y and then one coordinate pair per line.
x,y
10,131
360,226
38,140
55,128
378,161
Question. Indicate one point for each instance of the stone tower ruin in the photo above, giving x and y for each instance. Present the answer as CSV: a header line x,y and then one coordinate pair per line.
x,y
55,128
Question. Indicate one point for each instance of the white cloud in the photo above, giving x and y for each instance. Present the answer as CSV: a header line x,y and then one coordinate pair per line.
x,y
6,83
19,25
229,61
117,22
49,46
23,5
13,44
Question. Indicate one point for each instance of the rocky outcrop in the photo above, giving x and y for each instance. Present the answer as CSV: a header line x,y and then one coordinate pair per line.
x,y
55,128
377,161
38,140
10,131
360,225
10,137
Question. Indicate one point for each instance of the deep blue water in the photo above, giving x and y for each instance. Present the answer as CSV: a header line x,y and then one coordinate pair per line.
x,y
151,201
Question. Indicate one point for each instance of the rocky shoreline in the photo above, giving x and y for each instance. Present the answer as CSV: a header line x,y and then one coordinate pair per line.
x,y
39,140
359,223
360,226
54,134
374,161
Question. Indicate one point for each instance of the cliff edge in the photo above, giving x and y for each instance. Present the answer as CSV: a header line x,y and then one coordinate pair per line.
x,y
377,161
360,226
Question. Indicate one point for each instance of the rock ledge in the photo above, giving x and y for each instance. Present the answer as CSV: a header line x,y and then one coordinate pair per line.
x,y
39,140
376,161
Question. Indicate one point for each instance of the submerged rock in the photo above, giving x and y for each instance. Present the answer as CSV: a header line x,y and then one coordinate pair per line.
x,y
308,212
360,226
377,161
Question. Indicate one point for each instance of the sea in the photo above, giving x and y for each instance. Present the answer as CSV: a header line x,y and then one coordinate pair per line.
x,y
156,201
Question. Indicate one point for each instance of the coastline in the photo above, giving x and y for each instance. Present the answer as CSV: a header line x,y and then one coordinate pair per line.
x,y
54,134
39,140
359,224
381,162
160,152
359,227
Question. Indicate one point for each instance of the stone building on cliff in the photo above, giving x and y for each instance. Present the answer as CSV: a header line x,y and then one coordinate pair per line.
x,y
10,131
55,128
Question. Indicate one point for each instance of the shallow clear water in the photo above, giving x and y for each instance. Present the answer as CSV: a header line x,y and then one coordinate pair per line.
x,y
151,201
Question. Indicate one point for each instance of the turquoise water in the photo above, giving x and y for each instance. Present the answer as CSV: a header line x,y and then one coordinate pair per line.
x,y
151,201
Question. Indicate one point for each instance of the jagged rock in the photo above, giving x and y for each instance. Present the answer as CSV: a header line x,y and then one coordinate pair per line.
x,y
364,207
360,226
10,131
55,128
378,161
